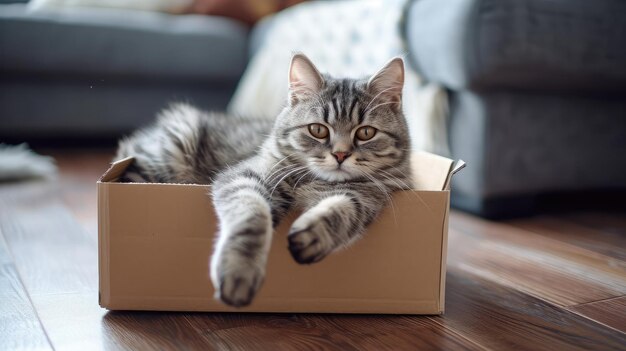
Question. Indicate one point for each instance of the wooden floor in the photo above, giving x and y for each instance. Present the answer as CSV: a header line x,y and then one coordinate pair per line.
x,y
553,282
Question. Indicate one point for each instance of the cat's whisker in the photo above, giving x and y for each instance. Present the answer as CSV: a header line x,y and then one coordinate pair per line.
x,y
415,193
383,191
402,185
299,179
381,104
281,160
279,172
285,176
409,178
376,96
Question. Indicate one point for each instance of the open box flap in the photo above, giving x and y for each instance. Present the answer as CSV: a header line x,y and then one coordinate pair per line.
x,y
458,166
116,169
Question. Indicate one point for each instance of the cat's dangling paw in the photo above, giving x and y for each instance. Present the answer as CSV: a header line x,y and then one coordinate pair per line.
x,y
308,242
238,281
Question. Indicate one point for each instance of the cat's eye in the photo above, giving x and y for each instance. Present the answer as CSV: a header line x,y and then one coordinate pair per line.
x,y
319,131
365,133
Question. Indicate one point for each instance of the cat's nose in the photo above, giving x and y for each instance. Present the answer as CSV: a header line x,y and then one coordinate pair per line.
x,y
340,156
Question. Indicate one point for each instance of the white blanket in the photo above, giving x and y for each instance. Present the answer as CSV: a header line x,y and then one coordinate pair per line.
x,y
343,38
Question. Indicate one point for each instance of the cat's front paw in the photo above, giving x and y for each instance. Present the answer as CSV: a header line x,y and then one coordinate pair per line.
x,y
309,242
238,281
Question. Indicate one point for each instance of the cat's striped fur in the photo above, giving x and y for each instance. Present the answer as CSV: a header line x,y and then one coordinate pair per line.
x,y
260,172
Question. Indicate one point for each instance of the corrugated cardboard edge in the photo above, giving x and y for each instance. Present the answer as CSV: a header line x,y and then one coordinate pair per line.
x,y
444,258
115,170
104,289
277,305
454,169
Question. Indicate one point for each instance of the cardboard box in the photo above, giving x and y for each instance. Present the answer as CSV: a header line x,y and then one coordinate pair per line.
x,y
155,241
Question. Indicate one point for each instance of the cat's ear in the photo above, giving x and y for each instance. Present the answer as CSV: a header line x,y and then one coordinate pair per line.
x,y
305,81
386,85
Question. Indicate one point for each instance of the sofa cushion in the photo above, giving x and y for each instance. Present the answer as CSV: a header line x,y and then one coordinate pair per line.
x,y
527,44
56,109
120,43
519,143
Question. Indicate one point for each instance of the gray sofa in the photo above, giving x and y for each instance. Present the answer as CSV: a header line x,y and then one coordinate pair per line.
x,y
537,95
96,73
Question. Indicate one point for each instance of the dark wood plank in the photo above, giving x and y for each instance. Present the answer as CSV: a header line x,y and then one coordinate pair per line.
x,y
611,313
502,318
327,332
152,331
548,269
19,326
53,254
85,326
611,222
76,322
606,241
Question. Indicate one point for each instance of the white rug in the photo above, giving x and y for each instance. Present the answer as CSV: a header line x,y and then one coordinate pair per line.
x,y
18,162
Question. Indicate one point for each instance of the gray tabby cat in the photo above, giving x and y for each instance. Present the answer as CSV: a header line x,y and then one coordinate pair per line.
x,y
336,151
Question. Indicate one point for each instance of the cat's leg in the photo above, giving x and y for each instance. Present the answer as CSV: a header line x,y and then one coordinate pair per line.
x,y
174,149
338,219
243,202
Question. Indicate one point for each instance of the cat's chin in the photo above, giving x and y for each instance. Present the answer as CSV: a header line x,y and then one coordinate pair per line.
x,y
336,175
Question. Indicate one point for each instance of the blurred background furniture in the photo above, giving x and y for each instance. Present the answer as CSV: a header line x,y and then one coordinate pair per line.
x,y
537,88
537,95
85,74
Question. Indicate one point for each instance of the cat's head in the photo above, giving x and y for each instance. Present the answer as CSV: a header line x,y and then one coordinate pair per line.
x,y
344,129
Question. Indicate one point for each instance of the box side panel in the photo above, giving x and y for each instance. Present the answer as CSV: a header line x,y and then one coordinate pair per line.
x,y
161,239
